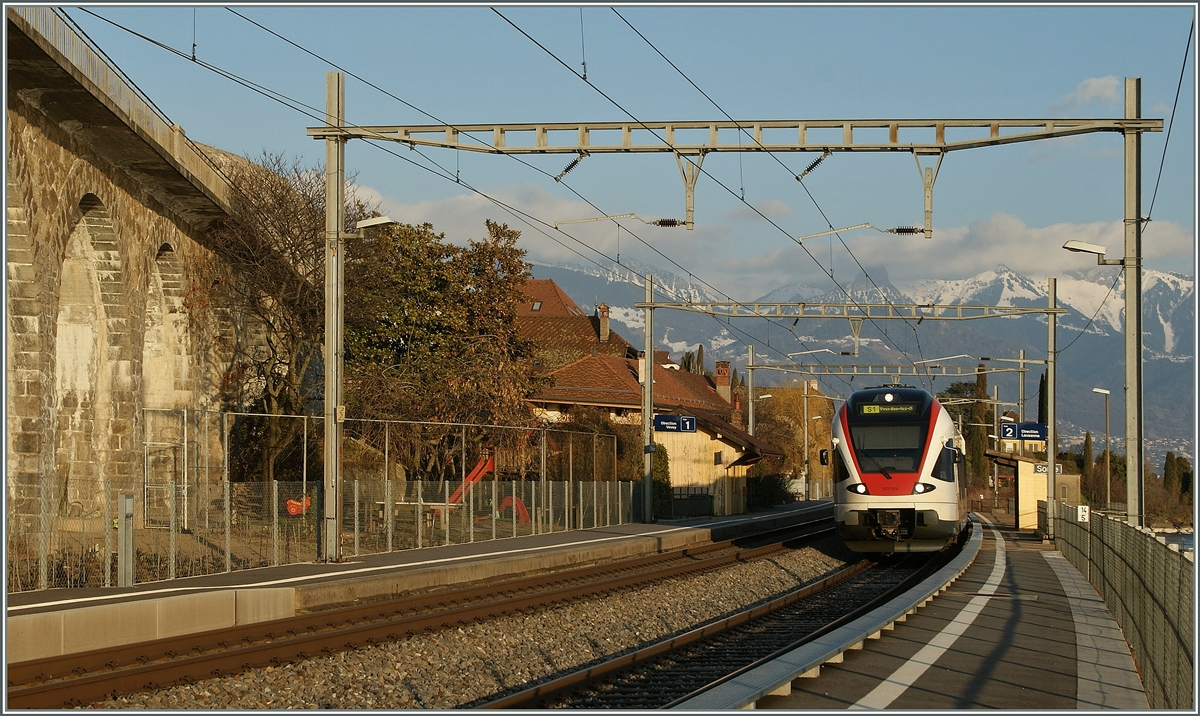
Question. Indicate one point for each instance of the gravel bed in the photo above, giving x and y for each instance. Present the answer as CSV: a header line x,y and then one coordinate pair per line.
x,y
451,668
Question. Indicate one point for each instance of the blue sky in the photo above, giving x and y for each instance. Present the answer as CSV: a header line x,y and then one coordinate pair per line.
x,y
465,64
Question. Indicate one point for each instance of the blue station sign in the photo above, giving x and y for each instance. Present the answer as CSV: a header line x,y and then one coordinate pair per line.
x,y
674,423
1022,431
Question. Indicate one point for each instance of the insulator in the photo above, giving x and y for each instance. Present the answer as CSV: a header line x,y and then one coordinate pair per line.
x,y
667,222
574,163
816,162
906,230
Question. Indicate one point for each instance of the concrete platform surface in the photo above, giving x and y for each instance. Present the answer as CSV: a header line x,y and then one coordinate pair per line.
x,y
1020,630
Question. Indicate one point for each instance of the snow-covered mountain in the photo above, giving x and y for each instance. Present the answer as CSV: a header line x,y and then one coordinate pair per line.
x,y
1089,337
1096,297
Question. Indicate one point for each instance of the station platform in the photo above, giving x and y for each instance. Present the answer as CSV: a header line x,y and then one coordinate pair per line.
x,y
65,621
1021,629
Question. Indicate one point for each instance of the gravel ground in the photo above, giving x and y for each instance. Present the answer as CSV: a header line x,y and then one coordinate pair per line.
x,y
455,667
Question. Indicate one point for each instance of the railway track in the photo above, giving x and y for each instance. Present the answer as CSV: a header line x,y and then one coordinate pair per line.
x,y
79,679
672,672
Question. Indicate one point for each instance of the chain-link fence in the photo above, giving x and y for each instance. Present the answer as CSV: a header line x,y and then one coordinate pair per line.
x,y
225,491
1149,588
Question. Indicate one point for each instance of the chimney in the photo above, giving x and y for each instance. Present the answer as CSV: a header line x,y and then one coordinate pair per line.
x,y
735,416
602,313
723,380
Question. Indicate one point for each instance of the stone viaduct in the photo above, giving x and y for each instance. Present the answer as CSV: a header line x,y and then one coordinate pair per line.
x,y
108,207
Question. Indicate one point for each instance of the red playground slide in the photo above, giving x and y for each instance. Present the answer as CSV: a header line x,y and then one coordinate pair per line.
x,y
486,464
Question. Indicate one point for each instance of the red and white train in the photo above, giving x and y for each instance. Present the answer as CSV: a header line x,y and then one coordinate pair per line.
x,y
899,472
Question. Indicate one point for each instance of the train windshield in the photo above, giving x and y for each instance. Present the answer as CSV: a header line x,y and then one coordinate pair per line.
x,y
887,448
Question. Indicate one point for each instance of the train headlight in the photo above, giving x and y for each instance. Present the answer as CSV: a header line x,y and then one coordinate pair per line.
x,y
857,488
922,487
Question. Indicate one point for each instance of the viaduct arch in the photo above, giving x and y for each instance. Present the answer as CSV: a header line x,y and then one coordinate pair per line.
x,y
107,210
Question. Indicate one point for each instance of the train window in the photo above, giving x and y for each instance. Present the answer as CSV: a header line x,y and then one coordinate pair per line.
x,y
946,467
887,447
839,467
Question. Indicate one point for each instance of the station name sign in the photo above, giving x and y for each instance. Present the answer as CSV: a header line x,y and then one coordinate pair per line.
x,y
674,423
1042,468
1022,431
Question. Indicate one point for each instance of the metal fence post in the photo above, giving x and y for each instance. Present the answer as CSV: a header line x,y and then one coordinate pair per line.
x,y
570,476
172,505
420,517
446,509
535,525
125,550
356,510
226,507
275,521
495,504
388,519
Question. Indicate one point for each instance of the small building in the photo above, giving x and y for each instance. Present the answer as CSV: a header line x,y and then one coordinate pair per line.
x,y
1030,485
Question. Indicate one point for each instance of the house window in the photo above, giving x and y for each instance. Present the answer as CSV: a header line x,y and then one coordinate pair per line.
x,y
717,458
537,305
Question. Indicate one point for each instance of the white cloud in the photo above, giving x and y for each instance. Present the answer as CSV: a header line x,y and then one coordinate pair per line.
x,y
1106,90
961,252
723,257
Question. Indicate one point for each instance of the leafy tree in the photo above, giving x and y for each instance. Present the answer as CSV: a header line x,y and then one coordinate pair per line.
x,y
699,359
955,399
1170,473
976,436
1086,467
1043,409
430,327
660,473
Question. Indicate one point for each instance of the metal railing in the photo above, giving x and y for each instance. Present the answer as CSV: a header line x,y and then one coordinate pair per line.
x,y
1148,587
225,491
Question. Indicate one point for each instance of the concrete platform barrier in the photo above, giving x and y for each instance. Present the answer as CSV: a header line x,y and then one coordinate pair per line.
x,y
70,631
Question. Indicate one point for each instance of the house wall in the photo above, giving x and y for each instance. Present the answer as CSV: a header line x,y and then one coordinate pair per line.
x,y
694,463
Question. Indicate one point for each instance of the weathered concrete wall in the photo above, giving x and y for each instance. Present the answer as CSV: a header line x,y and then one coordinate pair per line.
x,y
99,320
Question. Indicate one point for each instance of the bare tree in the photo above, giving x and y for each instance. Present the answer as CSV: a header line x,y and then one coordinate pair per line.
x,y
274,242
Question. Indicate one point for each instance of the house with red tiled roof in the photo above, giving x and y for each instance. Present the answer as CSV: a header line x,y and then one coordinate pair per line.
x,y
713,459
590,364
561,331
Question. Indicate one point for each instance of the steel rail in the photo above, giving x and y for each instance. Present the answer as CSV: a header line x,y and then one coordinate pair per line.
x,y
573,686
527,698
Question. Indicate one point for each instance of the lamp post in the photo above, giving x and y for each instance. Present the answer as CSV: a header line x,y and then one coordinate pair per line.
x,y
1107,467
335,291
1132,266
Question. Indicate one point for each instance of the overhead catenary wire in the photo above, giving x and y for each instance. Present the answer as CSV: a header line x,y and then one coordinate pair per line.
x,y
472,137
318,115
705,172
799,177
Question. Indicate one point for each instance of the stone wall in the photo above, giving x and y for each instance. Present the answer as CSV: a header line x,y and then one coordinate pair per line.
x,y
102,322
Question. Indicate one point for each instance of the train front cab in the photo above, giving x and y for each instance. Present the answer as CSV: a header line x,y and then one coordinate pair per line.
x,y
905,523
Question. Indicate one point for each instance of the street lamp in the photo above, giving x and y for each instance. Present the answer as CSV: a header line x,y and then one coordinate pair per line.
x,y
1107,467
